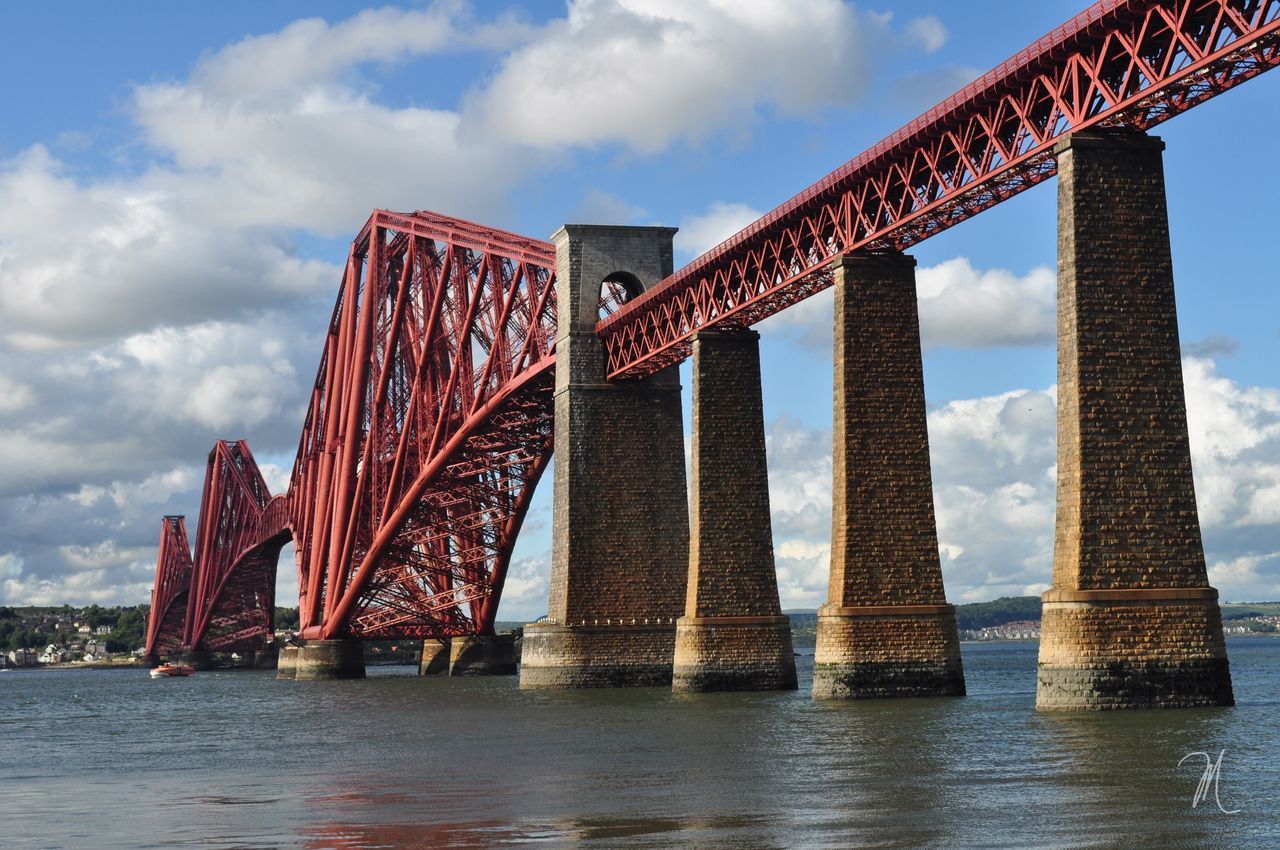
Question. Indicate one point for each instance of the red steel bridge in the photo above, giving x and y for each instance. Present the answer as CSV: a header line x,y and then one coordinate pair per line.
x,y
430,420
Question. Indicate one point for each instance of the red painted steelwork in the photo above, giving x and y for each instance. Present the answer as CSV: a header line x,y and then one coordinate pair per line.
x,y
1122,64
166,621
232,597
431,415
429,426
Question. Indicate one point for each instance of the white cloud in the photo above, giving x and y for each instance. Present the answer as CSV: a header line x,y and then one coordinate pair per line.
x,y
960,307
928,32
963,307
701,233
83,263
10,565
994,465
646,73
14,395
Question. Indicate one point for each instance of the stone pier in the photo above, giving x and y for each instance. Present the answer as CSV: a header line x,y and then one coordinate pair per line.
x,y
886,630
330,659
197,659
287,664
620,522
733,635
435,657
1130,621
483,655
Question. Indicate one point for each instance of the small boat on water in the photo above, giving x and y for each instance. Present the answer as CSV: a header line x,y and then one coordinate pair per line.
x,y
164,671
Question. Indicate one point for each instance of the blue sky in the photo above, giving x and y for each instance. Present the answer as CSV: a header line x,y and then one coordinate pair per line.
x,y
179,183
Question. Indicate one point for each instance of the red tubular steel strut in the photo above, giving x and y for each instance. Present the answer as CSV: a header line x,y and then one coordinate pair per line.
x,y
431,414
166,621
1122,64
429,426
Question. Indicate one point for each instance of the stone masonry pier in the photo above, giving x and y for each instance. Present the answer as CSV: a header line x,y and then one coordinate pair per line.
x,y
620,522
1130,621
733,635
886,630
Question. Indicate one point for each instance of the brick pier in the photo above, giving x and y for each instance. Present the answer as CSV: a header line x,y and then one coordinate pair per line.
x,y
620,524
733,635
1130,621
886,630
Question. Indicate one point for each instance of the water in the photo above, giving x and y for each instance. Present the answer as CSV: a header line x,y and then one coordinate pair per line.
x,y
112,759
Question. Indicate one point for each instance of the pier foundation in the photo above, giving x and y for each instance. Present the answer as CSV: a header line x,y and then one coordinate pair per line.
x,y
1130,620
620,520
733,635
886,630
287,664
483,655
330,659
435,657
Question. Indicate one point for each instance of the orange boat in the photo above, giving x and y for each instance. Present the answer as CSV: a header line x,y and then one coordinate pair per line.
x,y
166,670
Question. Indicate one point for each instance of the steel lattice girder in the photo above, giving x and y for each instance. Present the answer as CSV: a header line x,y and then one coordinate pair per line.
x,y
234,575
166,621
429,426
1124,64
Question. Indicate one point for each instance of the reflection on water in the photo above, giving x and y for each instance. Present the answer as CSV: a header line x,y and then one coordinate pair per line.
x,y
109,759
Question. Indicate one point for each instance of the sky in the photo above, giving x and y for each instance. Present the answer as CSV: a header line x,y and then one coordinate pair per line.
x,y
179,185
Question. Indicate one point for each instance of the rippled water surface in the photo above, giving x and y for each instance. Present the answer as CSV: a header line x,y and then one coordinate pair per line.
x,y
112,759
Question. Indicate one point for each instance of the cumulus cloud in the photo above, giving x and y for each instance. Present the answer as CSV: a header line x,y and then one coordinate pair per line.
x,y
994,474
702,232
646,74
963,307
148,310
960,307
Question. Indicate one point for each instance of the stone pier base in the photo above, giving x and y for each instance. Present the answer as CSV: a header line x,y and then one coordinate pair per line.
x,y
198,659
435,657
604,656
887,651
733,654
330,659
266,659
287,664
1132,649
1130,620
483,655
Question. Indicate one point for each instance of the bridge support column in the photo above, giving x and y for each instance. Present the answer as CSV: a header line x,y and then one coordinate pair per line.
x,y
435,657
886,630
733,635
197,659
1130,621
483,655
266,659
330,659
620,525
287,667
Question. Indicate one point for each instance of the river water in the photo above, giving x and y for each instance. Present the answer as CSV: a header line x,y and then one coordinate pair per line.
x,y
112,759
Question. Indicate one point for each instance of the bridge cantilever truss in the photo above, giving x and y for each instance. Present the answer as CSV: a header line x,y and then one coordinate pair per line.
x,y
1120,64
431,415
429,426
166,626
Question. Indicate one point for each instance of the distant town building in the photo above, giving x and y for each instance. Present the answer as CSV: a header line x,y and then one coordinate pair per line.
x,y
1017,630
23,657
